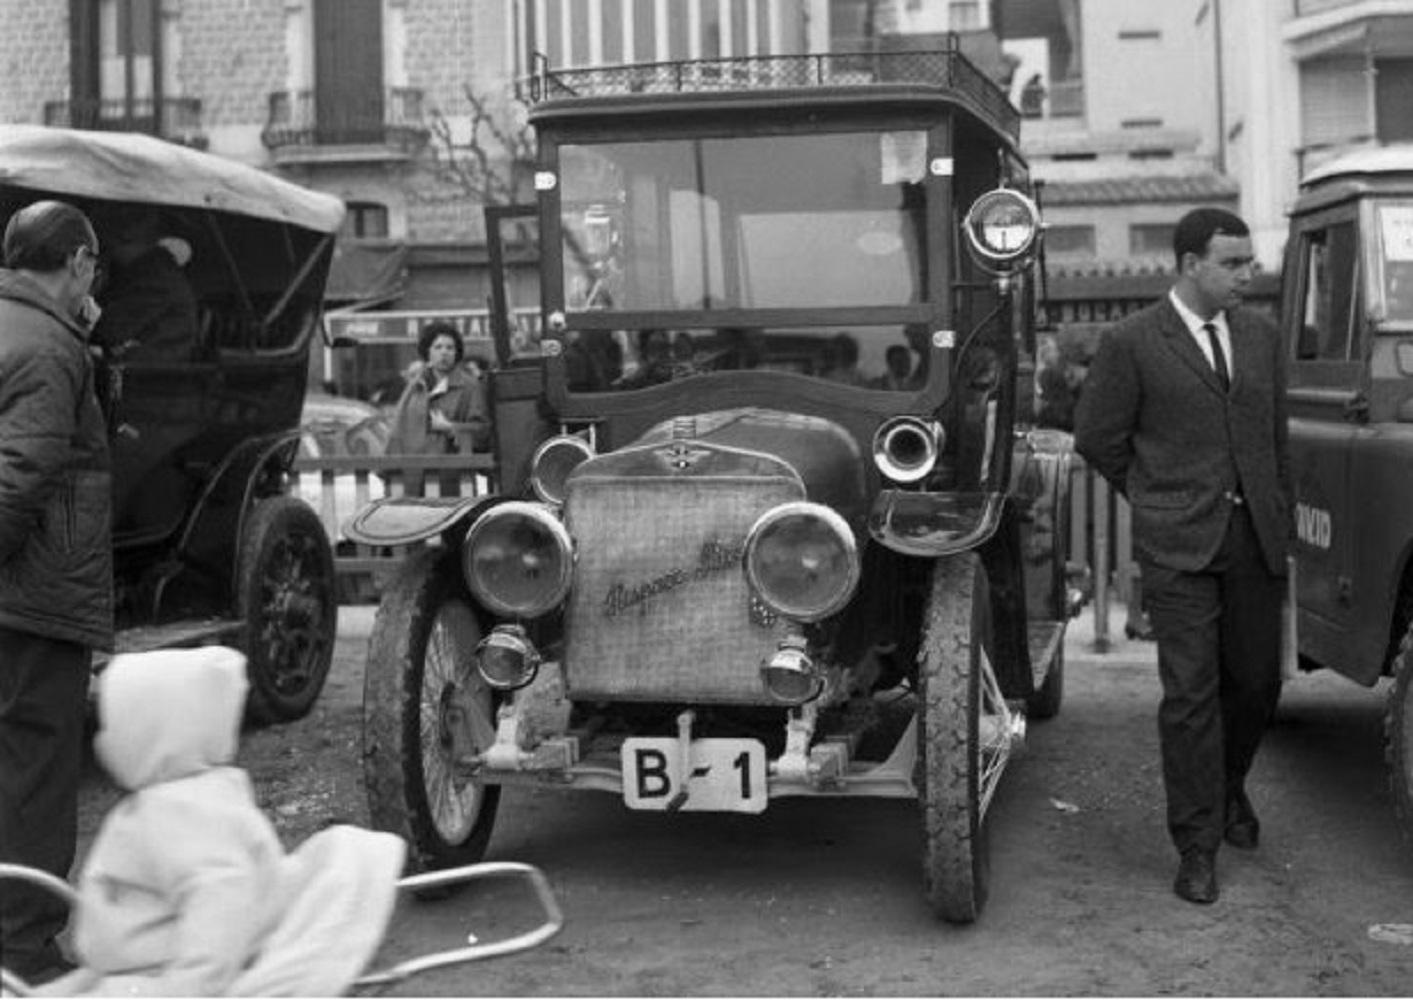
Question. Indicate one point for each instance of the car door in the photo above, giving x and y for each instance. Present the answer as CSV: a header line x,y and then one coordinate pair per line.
x,y
1327,398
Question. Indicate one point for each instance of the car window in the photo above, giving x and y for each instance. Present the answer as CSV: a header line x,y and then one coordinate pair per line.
x,y
1394,260
870,357
711,223
1329,263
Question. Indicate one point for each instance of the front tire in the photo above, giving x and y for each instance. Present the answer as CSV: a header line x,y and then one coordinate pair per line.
x,y
1398,734
419,680
951,763
286,593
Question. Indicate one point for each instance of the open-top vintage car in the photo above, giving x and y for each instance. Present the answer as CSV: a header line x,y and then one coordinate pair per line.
x,y
1347,318
213,284
768,522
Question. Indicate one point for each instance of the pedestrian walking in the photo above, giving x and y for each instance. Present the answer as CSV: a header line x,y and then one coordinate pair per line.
x,y
1183,412
56,600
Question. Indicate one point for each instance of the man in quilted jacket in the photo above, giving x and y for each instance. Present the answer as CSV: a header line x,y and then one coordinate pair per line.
x,y
56,591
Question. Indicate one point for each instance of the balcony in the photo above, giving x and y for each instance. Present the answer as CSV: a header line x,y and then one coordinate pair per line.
x,y
305,128
176,119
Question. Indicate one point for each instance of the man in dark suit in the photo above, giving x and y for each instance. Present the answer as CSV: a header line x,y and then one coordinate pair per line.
x,y
1184,414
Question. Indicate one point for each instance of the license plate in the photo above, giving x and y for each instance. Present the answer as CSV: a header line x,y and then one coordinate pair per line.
x,y
725,775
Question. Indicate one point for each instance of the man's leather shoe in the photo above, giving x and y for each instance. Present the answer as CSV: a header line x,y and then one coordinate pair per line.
x,y
1197,876
1243,829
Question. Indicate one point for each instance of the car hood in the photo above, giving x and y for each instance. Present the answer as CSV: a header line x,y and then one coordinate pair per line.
x,y
751,441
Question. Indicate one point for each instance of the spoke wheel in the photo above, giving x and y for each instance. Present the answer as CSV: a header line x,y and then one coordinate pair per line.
x,y
1398,734
287,596
424,707
965,734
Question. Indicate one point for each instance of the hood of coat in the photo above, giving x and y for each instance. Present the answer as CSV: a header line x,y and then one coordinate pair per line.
x,y
17,286
169,714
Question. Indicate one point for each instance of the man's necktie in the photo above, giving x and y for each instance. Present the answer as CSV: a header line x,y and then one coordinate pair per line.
x,y
1219,359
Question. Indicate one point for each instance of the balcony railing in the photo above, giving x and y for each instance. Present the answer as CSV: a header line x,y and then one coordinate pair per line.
x,y
177,119
391,118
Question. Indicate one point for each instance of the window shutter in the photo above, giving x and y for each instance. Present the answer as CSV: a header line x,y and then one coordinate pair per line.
x,y
1334,101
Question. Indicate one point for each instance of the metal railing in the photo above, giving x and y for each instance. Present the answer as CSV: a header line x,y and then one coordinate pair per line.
x,y
177,119
945,68
392,117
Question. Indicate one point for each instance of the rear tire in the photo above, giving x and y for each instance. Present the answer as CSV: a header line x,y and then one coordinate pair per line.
x,y
420,671
956,858
286,594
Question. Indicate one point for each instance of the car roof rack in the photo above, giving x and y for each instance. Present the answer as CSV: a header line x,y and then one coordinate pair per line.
x,y
946,69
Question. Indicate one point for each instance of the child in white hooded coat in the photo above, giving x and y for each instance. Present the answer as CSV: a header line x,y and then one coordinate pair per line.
x,y
187,890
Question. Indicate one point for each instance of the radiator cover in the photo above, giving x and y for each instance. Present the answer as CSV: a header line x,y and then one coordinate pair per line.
x,y
660,609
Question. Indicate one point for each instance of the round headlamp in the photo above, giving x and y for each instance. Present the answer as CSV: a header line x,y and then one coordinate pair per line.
x,y
517,558
905,448
802,561
1002,226
552,463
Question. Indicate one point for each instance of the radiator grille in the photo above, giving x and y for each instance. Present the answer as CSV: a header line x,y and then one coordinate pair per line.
x,y
660,609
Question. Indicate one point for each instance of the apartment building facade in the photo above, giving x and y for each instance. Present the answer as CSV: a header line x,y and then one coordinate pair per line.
x,y
1143,107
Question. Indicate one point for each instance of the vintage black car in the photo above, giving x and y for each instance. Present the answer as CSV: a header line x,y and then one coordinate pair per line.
x,y
212,294
1347,316
770,520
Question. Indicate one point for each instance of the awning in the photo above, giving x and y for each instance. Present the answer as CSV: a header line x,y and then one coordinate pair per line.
x,y
367,274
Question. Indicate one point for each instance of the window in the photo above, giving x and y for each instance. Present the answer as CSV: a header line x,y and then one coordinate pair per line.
x,y
726,223
1393,286
1328,264
1394,112
115,75
1070,241
348,71
365,220
964,15
1150,239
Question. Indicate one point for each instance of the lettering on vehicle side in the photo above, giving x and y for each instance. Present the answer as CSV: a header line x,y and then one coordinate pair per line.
x,y
1313,525
713,557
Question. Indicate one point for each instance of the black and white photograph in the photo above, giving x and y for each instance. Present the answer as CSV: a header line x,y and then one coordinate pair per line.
x,y
721,498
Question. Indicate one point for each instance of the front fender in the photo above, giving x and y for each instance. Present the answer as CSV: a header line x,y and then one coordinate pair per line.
x,y
403,520
934,524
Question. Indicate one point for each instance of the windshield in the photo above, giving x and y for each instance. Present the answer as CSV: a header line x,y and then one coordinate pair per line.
x,y
758,222
892,358
1393,262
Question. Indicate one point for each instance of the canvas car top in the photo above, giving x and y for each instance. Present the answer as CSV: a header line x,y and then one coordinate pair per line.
x,y
138,168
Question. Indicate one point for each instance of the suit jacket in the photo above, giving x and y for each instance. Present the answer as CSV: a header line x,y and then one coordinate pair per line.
x,y
1154,421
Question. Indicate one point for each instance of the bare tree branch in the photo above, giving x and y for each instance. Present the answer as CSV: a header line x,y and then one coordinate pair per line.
x,y
483,168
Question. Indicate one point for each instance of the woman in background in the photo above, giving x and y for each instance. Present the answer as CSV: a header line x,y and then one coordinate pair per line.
x,y
442,410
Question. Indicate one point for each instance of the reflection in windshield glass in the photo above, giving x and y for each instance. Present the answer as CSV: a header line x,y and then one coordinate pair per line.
x,y
888,358
777,221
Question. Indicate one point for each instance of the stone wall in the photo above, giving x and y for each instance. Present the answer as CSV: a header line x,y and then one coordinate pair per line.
x,y
34,61
232,57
